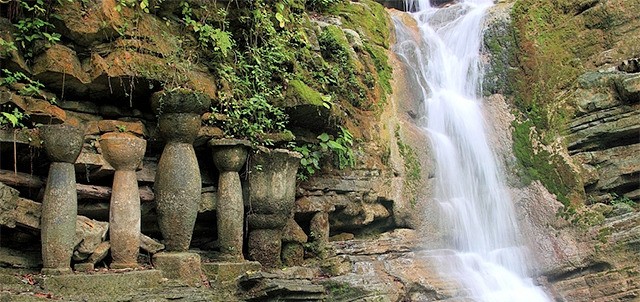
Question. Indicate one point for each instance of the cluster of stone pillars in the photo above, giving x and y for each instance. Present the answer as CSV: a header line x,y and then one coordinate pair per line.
x,y
177,189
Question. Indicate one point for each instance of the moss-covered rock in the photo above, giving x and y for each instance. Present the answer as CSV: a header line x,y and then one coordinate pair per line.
x,y
298,93
368,18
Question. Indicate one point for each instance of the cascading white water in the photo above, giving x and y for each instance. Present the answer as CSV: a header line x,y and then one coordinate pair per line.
x,y
487,257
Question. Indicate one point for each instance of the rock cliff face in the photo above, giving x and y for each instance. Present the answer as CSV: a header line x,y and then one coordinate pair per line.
x,y
581,118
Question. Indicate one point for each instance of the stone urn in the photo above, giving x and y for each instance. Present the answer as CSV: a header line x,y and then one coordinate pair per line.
x,y
272,194
124,152
229,156
178,185
62,144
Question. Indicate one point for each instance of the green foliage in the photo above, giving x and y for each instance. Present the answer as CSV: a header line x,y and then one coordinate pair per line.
x,y
253,83
618,199
411,167
142,5
13,118
310,162
31,87
339,148
6,47
34,29
209,36
322,5
252,119
341,73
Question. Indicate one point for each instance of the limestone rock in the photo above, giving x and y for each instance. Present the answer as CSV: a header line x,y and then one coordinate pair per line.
x,y
89,234
183,267
15,58
39,109
293,232
292,254
99,253
261,286
92,24
603,136
306,107
629,88
617,168
19,259
150,245
105,126
59,68
8,196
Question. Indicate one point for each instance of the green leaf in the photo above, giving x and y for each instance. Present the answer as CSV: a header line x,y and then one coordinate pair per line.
x,y
280,19
335,146
324,137
12,118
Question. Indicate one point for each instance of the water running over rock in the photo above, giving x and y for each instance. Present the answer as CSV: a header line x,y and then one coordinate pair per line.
x,y
486,257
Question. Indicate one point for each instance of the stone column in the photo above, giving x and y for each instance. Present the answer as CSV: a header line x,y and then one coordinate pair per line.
x,y
62,144
124,152
272,192
178,185
229,156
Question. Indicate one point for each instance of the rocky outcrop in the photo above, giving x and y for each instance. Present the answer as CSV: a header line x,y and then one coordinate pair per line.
x,y
604,134
582,253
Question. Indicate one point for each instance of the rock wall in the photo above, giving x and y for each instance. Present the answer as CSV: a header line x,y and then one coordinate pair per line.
x,y
583,237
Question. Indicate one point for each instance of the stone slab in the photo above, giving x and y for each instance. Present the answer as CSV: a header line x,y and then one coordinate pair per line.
x,y
227,273
183,267
90,286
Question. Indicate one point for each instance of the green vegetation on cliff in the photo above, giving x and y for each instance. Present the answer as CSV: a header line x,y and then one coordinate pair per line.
x,y
556,42
311,67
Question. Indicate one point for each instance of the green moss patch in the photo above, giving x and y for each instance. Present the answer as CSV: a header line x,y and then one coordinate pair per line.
x,y
550,169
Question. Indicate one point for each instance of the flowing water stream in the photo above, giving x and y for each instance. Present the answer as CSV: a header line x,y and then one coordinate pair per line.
x,y
486,256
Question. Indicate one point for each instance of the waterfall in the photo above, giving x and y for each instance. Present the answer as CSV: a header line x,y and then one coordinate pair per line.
x,y
486,256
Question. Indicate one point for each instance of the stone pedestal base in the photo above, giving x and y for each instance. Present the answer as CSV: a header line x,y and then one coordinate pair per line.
x,y
226,274
84,267
265,247
183,267
101,287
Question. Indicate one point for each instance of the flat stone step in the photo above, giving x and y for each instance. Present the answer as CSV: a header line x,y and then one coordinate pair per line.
x,y
88,286
227,273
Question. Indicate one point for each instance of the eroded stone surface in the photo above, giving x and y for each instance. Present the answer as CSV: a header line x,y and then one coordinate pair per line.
x,y
181,266
124,152
229,157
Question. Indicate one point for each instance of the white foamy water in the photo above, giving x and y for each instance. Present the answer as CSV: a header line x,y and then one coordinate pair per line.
x,y
486,256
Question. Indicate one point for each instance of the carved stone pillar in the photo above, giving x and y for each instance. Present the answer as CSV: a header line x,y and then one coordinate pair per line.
x,y
124,152
229,155
60,203
178,185
272,192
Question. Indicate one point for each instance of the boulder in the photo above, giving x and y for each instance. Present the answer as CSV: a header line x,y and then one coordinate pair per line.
x,y
59,68
89,234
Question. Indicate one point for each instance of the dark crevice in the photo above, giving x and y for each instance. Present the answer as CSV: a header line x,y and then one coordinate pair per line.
x,y
580,271
611,140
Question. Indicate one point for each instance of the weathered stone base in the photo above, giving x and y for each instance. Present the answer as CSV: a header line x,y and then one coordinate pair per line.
x,y
83,267
106,285
223,274
183,267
